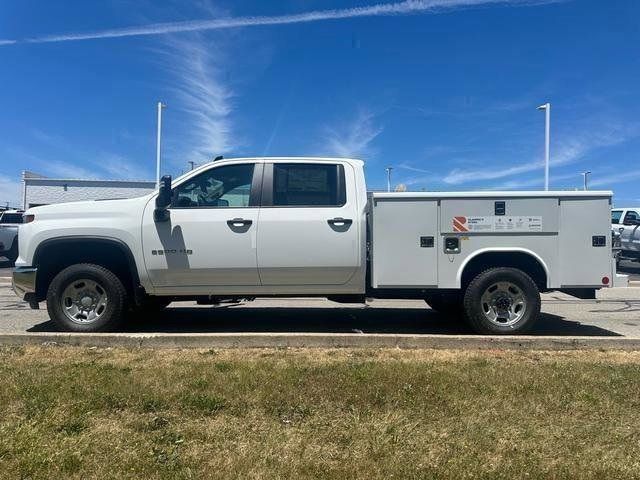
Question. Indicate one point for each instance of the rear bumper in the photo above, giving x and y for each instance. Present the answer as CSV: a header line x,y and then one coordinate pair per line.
x,y
24,283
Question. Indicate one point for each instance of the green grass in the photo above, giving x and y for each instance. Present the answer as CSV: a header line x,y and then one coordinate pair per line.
x,y
335,414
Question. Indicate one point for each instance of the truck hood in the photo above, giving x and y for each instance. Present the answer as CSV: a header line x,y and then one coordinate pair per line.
x,y
90,209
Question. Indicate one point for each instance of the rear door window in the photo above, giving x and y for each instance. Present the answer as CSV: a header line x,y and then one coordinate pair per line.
x,y
308,185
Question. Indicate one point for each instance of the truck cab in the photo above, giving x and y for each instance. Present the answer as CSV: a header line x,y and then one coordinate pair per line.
x,y
293,226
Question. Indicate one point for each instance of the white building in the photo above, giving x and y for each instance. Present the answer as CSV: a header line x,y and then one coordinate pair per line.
x,y
40,190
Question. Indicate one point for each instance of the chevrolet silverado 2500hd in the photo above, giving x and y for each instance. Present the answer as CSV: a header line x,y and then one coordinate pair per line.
x,y
251,227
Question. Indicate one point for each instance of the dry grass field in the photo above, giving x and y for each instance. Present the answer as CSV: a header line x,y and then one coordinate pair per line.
x,y
333,414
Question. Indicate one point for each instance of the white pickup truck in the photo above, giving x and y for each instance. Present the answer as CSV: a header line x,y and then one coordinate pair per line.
x,y
251,227
625,223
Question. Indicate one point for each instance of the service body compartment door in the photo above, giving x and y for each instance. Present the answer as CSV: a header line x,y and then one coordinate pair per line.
x,y
585,242
405,243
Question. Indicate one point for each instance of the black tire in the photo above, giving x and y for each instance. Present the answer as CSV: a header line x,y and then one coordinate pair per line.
x,y
449,304
115,294
522,287
12,255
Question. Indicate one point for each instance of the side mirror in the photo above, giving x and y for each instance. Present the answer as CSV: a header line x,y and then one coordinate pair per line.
x,y
163,200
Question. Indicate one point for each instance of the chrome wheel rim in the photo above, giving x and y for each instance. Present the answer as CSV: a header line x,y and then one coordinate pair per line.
x,y
84,301
503,303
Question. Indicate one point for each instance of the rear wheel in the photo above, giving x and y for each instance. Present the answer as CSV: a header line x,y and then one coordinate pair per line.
x,y
502,301
86,298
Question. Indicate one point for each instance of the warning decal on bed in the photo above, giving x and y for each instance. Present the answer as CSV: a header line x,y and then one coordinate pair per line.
x,y
459,224
495,223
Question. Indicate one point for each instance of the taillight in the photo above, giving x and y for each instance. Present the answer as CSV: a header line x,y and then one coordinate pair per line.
x,y
28,218
605,280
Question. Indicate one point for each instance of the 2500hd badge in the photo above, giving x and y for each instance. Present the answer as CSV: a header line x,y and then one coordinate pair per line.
x,y
171,252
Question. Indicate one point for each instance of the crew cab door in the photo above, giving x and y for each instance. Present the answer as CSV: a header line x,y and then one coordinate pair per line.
x,y
308,225
210,237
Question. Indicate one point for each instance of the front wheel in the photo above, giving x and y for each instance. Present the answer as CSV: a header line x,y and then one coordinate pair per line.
x,y
86,298
502,301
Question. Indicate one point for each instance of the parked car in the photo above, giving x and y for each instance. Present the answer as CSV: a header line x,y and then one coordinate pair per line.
x,y
9,222
626,223
252,227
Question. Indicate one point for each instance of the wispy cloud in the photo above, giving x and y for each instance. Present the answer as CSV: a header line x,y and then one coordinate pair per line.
x,y
407,7
571,151
609,180
537,181
355,138
62,169
195,65
411,168
122,168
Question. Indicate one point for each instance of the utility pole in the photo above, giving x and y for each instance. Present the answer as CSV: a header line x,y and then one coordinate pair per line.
x,y
388,170
585,176
547,127
191,164
160,107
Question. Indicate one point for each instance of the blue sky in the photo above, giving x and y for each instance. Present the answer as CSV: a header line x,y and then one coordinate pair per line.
x,y
445,91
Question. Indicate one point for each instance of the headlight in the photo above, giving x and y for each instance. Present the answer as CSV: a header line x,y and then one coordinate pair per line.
x,y
28,218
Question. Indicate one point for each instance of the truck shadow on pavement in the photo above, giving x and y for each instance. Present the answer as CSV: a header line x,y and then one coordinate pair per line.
x,y
231,319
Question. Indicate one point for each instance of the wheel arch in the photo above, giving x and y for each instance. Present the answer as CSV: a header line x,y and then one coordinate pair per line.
x,y
522,258
54,254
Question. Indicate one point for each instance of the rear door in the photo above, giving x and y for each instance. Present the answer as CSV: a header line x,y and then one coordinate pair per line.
x,y
308,226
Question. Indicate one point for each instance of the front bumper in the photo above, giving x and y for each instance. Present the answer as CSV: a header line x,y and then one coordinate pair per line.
x,y
24,284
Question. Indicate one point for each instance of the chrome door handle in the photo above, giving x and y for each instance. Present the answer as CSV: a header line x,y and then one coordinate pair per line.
x,y
239,222
339,221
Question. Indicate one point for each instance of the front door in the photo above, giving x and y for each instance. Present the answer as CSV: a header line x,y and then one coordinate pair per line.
x,y
210,237
308,227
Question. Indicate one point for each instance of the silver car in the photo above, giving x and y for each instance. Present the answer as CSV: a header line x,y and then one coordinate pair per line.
x,y
9,222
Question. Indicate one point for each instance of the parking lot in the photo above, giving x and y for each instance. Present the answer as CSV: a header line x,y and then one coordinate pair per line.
x,y
616,313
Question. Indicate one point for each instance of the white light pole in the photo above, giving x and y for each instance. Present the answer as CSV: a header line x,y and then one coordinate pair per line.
x,y
585,176
547,125
160,107
388,170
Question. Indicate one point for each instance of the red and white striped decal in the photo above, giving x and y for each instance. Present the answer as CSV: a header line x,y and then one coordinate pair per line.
x,y
459,224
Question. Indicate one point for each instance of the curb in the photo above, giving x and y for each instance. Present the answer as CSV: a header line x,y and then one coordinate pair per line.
x,y
320,340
